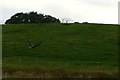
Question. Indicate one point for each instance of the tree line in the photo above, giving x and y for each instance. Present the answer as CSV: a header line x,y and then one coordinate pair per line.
x,y
31,18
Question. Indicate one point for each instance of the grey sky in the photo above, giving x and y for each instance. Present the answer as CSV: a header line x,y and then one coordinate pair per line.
x,y
93,11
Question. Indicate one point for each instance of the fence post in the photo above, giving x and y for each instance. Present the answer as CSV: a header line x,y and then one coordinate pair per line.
x,y
98,67
6,75
81,67
19,63
65,66
36,62
50,63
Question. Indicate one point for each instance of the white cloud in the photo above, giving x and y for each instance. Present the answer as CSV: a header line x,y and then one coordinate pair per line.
x,y
99,11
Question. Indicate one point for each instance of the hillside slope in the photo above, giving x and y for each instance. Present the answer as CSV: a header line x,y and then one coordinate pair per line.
x,y
62,46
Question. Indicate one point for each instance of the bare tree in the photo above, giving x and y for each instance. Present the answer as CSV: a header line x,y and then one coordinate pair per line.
x,y
66,20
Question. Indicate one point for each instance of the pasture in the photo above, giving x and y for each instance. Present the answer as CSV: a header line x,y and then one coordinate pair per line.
x,y
70,49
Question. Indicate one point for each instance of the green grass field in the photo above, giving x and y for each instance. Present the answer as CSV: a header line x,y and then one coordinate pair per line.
x,y
73,47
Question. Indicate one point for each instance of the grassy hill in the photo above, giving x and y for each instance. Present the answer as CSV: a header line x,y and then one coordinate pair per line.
x,y
72,47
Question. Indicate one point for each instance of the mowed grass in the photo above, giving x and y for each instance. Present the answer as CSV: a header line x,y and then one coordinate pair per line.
x,y
73,47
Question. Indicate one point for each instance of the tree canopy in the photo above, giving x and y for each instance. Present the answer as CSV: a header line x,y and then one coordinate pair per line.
x,y
31,17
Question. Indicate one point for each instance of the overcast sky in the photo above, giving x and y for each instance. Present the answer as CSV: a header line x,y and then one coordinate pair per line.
x,y
93,11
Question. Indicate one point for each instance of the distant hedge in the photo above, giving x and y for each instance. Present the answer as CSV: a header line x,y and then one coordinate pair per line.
x,y
31,17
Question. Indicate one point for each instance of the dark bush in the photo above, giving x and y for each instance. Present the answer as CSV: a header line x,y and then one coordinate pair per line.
x,y
85,22
31,17
76,22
